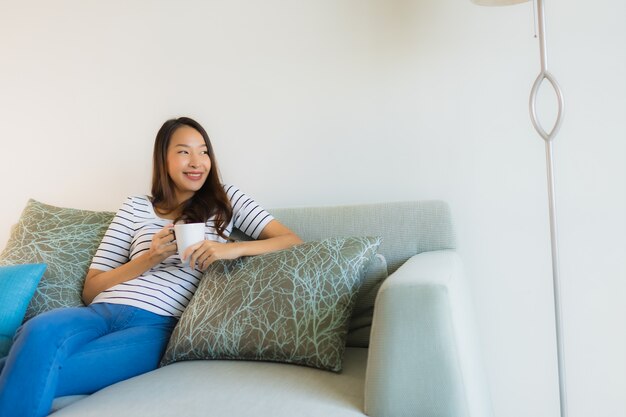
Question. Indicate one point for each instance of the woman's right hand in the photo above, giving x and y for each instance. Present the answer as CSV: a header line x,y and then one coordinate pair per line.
x,y
163,245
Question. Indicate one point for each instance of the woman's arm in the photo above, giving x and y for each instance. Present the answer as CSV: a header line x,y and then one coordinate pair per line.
x,y
275,236
162,247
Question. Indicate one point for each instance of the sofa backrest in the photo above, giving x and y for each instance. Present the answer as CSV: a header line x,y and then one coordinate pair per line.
x,y
407,228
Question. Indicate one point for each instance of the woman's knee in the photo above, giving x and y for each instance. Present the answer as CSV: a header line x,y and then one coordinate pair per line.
x,y
55,325
42,326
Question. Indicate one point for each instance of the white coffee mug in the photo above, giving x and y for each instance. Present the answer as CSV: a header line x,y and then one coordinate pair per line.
x,y
188,234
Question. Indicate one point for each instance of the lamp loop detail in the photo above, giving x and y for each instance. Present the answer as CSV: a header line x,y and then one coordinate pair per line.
x,y
545,75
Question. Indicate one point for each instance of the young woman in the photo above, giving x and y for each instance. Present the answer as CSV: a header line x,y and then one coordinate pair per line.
x,y
137,286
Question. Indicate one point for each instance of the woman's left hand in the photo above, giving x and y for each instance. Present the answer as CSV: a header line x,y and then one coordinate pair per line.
x,y
206,252
273,237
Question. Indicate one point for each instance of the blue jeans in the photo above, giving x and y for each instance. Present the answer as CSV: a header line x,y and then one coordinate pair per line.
x,y
79,350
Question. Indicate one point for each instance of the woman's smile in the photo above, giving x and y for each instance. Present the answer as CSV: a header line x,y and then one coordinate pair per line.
x,y
194,175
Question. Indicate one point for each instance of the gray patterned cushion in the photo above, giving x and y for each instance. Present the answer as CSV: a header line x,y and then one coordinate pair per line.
x,y
64,239
361,320
288,306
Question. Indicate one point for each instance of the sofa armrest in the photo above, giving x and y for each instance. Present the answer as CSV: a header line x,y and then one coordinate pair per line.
x,y
424,358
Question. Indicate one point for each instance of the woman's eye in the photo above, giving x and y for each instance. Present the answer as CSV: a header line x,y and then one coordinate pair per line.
x,y
183,152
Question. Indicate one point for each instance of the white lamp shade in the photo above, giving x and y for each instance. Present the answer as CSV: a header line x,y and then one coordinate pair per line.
x,y
498,2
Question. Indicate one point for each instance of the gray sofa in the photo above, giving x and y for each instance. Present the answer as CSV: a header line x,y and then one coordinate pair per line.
x,y
423,358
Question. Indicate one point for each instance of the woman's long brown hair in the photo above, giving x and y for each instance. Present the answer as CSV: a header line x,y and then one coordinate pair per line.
x,y
210,200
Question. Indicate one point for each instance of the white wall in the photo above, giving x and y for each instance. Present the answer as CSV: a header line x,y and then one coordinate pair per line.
x,y
352,101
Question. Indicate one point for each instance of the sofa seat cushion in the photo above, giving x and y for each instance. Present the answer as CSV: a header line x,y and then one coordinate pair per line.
x,y
207,388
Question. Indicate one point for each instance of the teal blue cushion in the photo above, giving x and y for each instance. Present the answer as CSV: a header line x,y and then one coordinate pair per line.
x,y
17,286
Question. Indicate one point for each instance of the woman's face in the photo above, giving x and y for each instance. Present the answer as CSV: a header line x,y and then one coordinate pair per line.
x,y
188,162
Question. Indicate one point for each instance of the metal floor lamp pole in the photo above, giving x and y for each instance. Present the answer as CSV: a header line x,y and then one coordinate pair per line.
x,y
548,138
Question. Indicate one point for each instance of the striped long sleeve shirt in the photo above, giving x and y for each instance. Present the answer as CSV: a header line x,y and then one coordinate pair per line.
x,y
167,288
